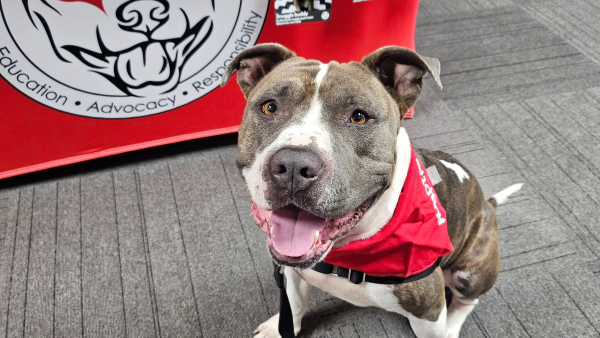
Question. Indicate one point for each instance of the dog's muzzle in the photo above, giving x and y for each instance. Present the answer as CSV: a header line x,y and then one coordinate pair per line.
x,y
295,169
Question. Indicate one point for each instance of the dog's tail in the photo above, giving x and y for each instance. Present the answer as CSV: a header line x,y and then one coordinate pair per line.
x,y
502,197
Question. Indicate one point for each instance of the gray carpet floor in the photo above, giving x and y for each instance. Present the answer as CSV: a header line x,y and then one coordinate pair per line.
x,y
159,243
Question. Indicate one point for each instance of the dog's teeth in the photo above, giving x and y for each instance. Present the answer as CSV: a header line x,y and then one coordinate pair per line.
x,y
316,238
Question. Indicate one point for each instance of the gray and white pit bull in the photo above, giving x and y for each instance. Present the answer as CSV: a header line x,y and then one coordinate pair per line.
x,y
328,139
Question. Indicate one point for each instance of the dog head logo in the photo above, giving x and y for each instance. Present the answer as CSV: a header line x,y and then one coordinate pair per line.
x,y
120,58
150,63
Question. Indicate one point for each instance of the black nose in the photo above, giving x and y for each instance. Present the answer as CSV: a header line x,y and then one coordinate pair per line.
x,y
295,169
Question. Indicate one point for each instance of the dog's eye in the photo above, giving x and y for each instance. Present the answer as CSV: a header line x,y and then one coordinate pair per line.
x,y
269,107
358,117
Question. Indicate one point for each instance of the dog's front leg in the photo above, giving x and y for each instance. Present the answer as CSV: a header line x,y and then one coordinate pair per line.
x,y
297,290
425,303
425,328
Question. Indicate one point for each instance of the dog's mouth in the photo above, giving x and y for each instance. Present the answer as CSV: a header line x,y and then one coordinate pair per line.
x,y
299,238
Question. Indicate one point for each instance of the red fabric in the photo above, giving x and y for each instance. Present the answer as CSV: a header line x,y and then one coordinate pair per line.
x,y
415,237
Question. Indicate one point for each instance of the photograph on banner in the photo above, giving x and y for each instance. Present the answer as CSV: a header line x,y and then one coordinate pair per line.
x,y
288,12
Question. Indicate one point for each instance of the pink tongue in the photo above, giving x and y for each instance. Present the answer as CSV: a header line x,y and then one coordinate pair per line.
x,y
294,230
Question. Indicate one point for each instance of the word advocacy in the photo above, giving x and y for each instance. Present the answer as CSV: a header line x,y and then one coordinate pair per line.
x,y
140,107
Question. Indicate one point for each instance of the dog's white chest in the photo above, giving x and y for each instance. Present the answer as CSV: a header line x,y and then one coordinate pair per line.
x,y
364,294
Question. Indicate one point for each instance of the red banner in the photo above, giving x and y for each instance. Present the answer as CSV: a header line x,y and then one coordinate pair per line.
x,y
87,79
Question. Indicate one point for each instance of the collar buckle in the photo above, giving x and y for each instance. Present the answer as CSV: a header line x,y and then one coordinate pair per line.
x,y
356,277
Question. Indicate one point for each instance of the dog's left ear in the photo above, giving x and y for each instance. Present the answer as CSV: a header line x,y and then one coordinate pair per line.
x,y
254,63
401,71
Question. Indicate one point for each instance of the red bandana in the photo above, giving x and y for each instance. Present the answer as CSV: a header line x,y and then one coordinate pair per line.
x,y
411,242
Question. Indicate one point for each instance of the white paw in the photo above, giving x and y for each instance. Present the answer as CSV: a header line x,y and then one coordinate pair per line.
x,y
453,332
268,329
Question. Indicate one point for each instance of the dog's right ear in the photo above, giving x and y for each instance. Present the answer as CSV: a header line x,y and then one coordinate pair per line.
x,y
254,63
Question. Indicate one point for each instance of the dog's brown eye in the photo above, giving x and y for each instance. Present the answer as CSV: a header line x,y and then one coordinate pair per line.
x,y
358,117
269,107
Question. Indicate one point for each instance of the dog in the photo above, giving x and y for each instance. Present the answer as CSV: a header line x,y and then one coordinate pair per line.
x,y
330,168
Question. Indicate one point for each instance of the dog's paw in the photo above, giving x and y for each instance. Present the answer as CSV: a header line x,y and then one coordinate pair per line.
x,y
452,333
268,329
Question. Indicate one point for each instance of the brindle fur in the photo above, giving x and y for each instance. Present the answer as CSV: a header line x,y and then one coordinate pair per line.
x,y
424,298
473,231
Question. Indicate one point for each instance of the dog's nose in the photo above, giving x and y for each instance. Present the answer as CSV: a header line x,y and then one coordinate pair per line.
x,y
295,169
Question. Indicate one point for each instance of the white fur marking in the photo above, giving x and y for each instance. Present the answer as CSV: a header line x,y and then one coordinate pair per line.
x,y
268,329
458,312
312,123
297,290
458,170
255,183
426,329
320,76
503,195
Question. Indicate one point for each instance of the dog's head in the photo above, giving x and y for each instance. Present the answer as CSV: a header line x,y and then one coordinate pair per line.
x,y
317,144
